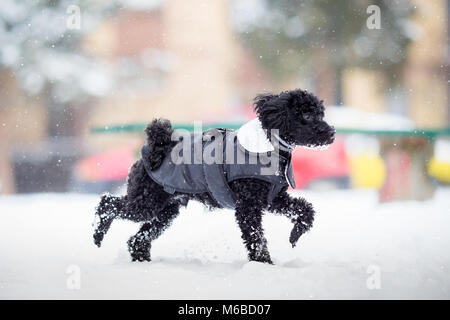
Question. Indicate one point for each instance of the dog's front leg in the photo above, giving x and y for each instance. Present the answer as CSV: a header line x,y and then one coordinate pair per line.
x,y
249,217
298,210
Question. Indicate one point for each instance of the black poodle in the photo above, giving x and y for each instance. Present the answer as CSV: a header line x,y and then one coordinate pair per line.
x,y
159,184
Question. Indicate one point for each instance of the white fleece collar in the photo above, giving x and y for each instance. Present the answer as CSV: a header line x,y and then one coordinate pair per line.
x,y
253,138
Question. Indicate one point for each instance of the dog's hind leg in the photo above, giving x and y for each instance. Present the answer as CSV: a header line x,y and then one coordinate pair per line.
x,y
298,210
139,245
109,208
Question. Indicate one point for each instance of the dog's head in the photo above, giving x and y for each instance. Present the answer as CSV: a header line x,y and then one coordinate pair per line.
x,y
298,117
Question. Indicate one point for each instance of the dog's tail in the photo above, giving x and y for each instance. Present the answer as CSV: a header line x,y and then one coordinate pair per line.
x,y
159,140
107,210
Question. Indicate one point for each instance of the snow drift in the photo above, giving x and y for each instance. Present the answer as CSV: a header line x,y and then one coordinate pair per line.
x,y
358,249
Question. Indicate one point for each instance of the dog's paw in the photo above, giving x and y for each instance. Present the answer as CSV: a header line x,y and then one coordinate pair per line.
x,y
139,251
263,260
140,258
140,255
296,232
98,238
266,260
263,257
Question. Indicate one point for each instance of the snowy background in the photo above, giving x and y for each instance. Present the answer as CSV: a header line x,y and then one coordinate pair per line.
x,y
46,251
79,79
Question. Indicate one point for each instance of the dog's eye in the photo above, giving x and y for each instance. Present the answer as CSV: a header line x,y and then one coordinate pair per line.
x,y
307,116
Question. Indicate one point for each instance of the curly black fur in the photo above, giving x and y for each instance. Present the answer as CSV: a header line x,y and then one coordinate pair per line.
x,y
297,114
252,200
159,139
298,210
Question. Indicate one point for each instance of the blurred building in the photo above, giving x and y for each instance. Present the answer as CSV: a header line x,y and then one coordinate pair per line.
x,y
423,93
175,62
427,72
181,60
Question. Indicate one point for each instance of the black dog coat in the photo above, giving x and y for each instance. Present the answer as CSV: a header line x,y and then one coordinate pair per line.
x,y
175,175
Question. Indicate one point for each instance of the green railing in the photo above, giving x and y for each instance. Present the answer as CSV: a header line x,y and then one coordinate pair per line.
x,y
428,133
139,127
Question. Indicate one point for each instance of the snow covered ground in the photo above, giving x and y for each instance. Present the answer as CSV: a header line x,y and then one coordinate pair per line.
x,y
357,249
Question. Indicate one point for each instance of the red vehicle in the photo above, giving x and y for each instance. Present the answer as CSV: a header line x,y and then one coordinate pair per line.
x,y
105,171
321,167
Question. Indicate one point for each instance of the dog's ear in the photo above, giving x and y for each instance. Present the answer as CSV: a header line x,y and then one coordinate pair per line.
x,y
260,100
271,110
